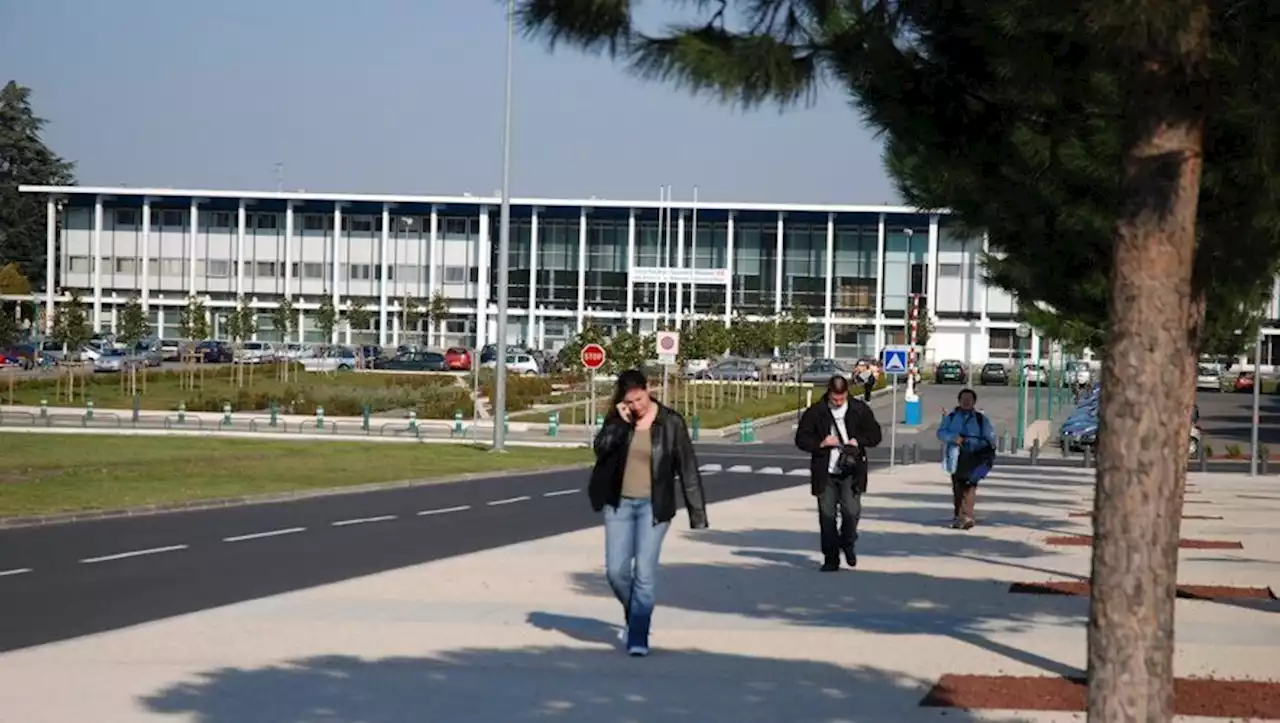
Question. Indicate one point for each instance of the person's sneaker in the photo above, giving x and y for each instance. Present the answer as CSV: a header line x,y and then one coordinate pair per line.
x,y
638,651
957,524
830,565
851,557
968,524
622,634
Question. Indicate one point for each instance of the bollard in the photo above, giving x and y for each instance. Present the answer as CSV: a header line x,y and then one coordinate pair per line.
x,y
506,421
413,420
44,408
1062,447
697,427
915,453
364,418
1035,452
457,422
275,413
182,412
137,408
1264,456
553,424
319,417
1001,442
1086,461
88,411
226,414
1204,460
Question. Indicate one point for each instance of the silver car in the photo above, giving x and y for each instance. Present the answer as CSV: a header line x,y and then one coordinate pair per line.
x,y
822,370
116,360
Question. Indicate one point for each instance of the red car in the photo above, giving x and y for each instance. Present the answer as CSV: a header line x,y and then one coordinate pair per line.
x,y
458,359
1244,382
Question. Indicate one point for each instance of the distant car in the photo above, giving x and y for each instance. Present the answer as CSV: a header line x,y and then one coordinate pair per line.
x,y
518,363
1208,377
1244,382
732,370
256,352
170,350
213,352
821,371
458,358
950,371
334,358
1035,375
416,361
22,355
780,368
1077,372
117,360
993,373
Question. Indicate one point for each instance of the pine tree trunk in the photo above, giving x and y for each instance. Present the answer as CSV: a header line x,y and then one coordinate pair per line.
x,y
1148,381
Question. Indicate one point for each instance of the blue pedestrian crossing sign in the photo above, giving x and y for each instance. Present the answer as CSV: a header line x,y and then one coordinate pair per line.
x,y
894,359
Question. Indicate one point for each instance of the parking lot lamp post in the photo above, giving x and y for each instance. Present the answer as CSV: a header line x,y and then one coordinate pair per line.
x,y
504,249
1022,333
1049,395
1257,400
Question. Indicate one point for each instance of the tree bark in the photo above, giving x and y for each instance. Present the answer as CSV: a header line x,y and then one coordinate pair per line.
x,y
1156,313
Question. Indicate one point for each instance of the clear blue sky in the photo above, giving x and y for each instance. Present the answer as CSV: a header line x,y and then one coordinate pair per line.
x,y
397,96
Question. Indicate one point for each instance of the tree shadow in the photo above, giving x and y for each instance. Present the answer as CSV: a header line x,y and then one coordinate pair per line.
x,y
561,684
882,543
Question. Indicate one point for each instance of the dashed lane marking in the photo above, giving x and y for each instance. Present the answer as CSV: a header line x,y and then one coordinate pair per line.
x,y
739,468
363,520
771,470
132,553
260,535
559,493
444,510
15,571
508,501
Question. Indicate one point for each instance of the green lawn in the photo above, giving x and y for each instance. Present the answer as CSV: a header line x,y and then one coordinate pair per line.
x,y
42,474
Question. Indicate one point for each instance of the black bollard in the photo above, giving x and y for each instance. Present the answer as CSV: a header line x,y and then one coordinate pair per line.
x,y
1087,460
1204,459
1000,443
915,453
1035,452
1263,460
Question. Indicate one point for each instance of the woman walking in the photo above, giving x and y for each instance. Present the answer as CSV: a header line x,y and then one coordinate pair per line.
x,y
969,449
641,449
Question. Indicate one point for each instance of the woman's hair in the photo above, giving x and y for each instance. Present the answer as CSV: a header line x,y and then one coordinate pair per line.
x,y
627,381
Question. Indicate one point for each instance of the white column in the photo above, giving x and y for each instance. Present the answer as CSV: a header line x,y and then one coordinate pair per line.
x,y
288,250
333,276
728,266
146,253
879,322
382,285
533,275
631,262
931,281
983,301
828,333
193,221
395,330
680,305
582,265
241,218
777,270
433,230
97,263
482,280
50,258
299,333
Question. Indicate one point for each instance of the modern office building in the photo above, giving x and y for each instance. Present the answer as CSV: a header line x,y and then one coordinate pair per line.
x,y
623,264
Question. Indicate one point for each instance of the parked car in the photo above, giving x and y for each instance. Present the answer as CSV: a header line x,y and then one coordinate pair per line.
x,y
1035,375
950,371
820,371
1208,377
518,363
780,368
1077,372
213,352
256,352
693,367
117,360
170,350
1244,382
20,355
149,354
993,373
331,359
732,370
416,361
458,358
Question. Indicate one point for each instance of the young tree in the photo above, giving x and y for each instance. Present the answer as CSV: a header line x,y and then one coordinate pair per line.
x,y
242,323
571,353
1075,134
285,319
193,320
71,324
25,159
358,318
410,317
326,318
437,310
628,350
133,325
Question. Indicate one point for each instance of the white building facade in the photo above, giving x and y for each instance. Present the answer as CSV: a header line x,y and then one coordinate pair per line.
x,y
622,264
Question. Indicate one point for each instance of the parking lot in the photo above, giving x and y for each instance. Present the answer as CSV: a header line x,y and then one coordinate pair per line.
x,y
1225,419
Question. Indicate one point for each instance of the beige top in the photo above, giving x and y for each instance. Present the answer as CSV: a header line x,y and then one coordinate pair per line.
x,y
637,476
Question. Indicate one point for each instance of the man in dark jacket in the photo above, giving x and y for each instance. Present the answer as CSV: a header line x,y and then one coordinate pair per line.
x,y
836,432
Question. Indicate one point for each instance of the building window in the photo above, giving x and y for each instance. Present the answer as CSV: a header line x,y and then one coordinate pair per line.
x,y
218,268
357,223
266,221
455,274
406,274
265,269
220,219
78,265
313,270
358,272
1002,343
455,326
171,218
949,270
126,217
173,267
317,222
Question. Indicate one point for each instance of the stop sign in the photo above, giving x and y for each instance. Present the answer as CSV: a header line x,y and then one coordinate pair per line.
x,y
593,356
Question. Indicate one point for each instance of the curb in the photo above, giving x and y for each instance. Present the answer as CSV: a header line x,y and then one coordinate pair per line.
x,y
8,523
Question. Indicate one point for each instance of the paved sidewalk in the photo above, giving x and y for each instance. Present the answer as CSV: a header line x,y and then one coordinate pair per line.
x,y
747,629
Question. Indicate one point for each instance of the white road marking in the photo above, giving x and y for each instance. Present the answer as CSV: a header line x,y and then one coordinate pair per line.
x,y
739,468
444,510
362,520
710,468
134,553
798,473
17,571
559,493
511,500
260,535
771,470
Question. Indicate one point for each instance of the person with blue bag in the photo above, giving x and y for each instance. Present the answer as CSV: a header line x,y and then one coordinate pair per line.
x,y
968,454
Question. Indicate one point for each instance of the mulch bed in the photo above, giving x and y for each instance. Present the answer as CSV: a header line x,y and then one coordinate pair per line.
x,y
1185,517
1185,592
1191,696
1185,544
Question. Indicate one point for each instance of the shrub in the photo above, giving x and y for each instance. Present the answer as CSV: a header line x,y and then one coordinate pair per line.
x,y
1234,451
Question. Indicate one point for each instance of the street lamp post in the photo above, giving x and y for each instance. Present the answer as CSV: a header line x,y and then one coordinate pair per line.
x,y
1257,401
504,243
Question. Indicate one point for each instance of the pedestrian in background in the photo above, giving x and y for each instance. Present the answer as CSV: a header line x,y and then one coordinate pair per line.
x,y
836,432
968,454
641,449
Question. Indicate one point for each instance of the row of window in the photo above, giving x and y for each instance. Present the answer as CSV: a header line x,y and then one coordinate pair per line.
x,y
224,268
466,227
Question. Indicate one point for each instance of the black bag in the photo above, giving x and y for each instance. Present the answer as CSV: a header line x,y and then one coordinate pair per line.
x,y
980,460
851,459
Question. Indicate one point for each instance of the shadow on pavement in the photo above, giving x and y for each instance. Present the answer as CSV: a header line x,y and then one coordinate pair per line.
x,y
562,684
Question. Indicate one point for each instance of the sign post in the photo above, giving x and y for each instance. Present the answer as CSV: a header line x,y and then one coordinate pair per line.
x,y
1023,331
668,345
893,362
593,357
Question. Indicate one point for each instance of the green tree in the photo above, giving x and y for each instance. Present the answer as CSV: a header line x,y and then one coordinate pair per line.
x,y
71,324
437,310
703,338
628,350
12,281
10,331
25,159
193,320
326,318
242,322
133,325
792,330
358,317
571,354
1091,140
411,314
285,319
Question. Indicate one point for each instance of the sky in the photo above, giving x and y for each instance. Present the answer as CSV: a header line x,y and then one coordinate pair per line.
x,y
399,96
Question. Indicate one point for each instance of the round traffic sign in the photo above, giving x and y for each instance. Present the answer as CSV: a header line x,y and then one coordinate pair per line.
x,y
668,343
593,356
1024,330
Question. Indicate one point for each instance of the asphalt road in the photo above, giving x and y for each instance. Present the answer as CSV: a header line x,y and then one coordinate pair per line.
x,y
1225,419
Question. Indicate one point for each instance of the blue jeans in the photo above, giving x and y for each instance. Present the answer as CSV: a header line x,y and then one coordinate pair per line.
x,y
632,544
